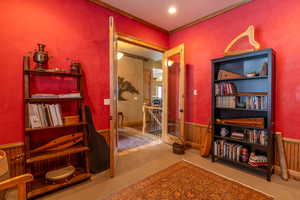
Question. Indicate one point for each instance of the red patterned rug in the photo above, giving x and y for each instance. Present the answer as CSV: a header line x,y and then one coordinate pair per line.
x,y
186,181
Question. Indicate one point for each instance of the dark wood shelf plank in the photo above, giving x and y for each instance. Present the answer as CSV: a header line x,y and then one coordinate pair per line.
x,y
244,109
242,79
242,141
45,73
55,154
245,94
261,169
55,127
239,126
43,187
52,99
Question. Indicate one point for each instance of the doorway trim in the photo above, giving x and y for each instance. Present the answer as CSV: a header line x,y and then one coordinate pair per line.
x,y
132,40
167,138
113,38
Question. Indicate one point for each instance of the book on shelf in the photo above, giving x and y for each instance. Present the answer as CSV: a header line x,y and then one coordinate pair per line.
x,y
227,150
44,115
256,136
56,96
226,101
223,89
256,102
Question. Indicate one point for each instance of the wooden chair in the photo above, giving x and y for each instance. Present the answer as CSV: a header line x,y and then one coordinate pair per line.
x,y
20,182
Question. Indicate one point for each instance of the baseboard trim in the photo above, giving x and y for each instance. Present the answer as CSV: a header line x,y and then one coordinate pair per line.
x,y
193,145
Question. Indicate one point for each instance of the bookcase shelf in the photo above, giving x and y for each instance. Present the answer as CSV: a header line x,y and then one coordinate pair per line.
x,y
238,126
242,79
249,92
260,169
55,127
40,187
46,73
48,155
241,141
244,109
52,130
52,99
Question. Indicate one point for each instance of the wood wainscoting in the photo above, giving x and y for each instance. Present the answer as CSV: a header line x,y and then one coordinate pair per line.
x,y
292,153
15,157
194,133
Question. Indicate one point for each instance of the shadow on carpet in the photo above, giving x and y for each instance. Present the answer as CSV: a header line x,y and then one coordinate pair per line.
x,y
129,139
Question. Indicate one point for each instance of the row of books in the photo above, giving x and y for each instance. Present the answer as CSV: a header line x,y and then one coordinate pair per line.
x,y
252,136
227,150
226,102
222,89
256,102
56,96
257,136
44,115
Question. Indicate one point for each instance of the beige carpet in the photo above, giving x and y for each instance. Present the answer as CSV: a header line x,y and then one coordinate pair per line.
x,y
138,165
186,181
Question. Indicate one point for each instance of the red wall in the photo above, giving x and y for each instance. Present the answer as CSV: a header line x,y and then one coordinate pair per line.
x,y
70,29
277,27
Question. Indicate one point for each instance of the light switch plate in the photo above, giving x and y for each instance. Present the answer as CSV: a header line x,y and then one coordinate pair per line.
x,y
106,101
195,92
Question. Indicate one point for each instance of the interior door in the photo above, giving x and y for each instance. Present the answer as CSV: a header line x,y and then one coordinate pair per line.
x,y
113,96
173,95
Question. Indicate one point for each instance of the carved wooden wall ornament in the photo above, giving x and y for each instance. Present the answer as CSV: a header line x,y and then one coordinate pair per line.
x,y
250,33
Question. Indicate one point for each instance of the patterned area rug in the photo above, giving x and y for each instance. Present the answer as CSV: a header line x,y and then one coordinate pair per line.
x,y
185,181
129,139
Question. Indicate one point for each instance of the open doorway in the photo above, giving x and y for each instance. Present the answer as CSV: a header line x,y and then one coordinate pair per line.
x,y
140,92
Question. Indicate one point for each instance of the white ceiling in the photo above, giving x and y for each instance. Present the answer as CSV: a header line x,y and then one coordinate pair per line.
x,y
139,51
155,11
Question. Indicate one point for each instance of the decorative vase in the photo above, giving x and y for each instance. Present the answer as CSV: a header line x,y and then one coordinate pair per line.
x,y
75,67
41,57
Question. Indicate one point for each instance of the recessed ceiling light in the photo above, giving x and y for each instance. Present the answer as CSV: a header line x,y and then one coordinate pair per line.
x,y
172,10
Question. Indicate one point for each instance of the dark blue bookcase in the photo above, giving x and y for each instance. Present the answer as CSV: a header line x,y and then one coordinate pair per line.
x,y
259,85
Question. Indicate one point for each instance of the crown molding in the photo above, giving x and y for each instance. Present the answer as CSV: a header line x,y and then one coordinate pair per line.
x,y
197,21
214,14
126,14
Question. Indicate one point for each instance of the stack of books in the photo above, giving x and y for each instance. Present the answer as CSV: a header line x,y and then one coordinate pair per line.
x,y
227,150
256,136
237,135
44,115
222,89
256,102
226,102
